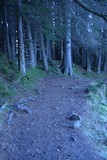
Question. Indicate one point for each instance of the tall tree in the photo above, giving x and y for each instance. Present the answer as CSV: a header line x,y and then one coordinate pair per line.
x,y
68,70
20,40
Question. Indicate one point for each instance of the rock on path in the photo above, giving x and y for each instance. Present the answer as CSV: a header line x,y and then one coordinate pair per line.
x,y
46,133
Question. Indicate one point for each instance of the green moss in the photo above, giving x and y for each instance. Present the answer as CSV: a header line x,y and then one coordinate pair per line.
x,y
95,128
90,74
54,67
53,70
5,90
78,69
97,97
32,78
10,77
8,68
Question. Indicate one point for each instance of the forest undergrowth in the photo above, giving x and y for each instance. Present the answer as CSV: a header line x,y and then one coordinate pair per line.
x,y
13,87
95,126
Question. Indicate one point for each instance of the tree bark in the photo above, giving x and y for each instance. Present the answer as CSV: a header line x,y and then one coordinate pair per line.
x,y
99,63
83,58
35,48
13,36
49,51
31,47
68,48
45,63
105,63
7,49
88,62
20,41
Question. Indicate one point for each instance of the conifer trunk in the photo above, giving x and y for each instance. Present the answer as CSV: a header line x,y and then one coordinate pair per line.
x,y
35,49
105,62
13,36
45,63
99,63
88,62
6,34
49,50
68,70
20,41
31,47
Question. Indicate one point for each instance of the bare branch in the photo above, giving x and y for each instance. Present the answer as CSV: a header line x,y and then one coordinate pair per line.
x,y
84,6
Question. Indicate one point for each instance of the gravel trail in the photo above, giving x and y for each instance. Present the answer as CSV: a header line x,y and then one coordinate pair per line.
x,y
46,133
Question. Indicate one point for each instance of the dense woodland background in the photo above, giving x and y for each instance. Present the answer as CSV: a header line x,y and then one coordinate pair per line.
x,y
53,38
34,32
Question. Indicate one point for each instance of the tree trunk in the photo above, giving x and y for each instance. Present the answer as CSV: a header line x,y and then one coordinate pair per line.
x,y
83,58
31,47
45,63
49,51
6,35
99,63
20,41
35,49
13,36
53,50
68,70
105,63
88,62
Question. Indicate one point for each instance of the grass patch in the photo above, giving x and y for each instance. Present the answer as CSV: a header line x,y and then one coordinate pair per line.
x,y
8,68
32,78
10,77
82,73
54,67
95,126
13,86
5,90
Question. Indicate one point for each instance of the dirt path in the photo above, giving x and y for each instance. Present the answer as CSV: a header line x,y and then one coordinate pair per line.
x,y
45,134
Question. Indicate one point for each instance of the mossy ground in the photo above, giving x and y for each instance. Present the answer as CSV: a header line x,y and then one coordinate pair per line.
x,y
4,90
95,125
11,80
82,73
12,85
8,74
32,78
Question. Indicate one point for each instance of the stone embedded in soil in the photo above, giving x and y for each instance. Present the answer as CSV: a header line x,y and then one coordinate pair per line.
x,y
74,117
21,107
10,118
77,124
74,121
24,108
3,107
32,98
72,124
23,100
71,100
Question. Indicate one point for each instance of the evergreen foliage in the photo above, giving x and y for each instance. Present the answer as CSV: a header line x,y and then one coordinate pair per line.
x,y
44,29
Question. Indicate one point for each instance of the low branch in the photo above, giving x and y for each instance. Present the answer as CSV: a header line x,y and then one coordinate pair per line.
x,y
84,6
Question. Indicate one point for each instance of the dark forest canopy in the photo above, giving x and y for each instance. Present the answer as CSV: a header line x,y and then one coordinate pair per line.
x,y
71,31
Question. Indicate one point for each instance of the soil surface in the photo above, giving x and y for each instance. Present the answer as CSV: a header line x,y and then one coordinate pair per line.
x,y
46,133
